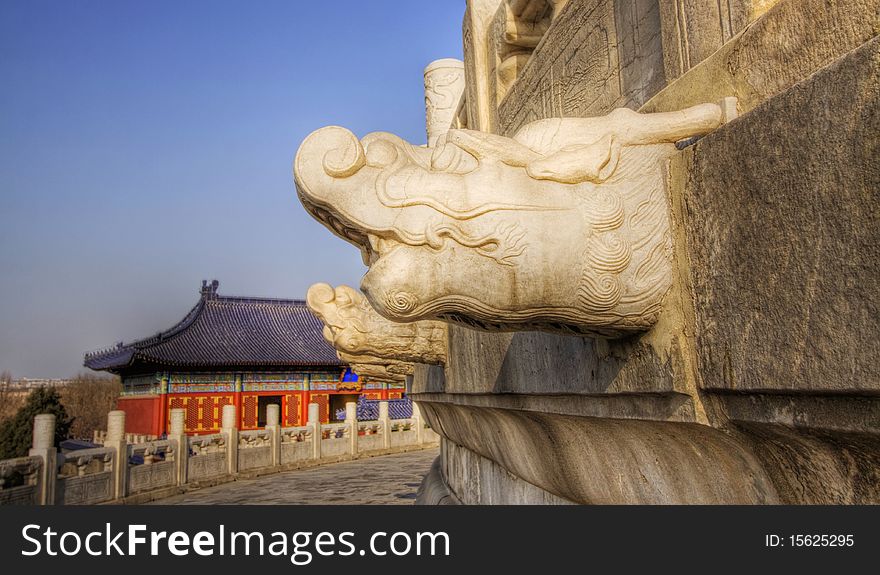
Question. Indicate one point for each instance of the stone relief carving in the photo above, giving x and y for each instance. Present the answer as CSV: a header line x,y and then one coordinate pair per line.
x,y
444,86
499,37
562,227
518,28
354,327
479,100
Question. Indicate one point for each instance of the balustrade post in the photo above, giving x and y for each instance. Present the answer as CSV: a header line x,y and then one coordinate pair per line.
x,y
117,440
230,433
273,415
418,422
181,452
352,421
385,420
43,446
315,423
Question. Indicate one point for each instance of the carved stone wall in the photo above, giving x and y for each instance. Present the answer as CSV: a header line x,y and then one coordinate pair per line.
x,y
597,55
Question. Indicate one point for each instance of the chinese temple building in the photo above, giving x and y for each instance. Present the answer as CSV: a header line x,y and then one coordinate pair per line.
x,y
249,352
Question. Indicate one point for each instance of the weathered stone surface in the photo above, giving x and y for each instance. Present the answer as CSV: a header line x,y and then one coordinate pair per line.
x,y
597,55
444,86
207,465
254,457
433,489
604,461
480,103
786,44
153,476
817,466
426,379
783,236
531,362
659,407
480,481
694,29
377,368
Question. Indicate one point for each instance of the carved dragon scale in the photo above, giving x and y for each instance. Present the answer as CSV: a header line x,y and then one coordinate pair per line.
x,y
562,227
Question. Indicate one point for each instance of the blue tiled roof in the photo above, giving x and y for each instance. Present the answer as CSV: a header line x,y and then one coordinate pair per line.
x,y
229,331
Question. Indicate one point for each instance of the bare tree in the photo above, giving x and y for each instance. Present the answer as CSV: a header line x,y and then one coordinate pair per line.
x,y
88,398
10,397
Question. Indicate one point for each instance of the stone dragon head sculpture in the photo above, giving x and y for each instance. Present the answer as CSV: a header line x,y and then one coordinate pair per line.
x,y
353,327
377,368
562,227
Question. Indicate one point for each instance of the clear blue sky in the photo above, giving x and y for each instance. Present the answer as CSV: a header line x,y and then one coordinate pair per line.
x,y
145,146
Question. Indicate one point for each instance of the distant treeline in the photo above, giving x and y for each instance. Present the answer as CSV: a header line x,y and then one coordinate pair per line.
x,y
86,399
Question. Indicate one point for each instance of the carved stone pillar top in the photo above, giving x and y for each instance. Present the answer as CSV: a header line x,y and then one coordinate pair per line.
x,y
444,86
563,227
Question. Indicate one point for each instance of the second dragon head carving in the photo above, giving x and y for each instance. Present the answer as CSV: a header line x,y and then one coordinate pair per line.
x,y
562,227
353,327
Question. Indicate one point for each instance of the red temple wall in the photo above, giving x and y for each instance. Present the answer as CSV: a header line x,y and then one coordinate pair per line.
x,y
291,408
204,411
323,401
292,414
143,415
151,415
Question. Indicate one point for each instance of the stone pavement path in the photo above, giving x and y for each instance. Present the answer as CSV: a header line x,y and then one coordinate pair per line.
x,y
384,480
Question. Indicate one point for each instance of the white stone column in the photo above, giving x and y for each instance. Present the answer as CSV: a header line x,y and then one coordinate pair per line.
x,y
43,446
273,418
352,422
116,440
385,420
178,434
444,85
315,424
418,423
229,429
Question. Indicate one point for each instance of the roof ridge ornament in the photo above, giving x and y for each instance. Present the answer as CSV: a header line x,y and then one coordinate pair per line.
x,y
209,290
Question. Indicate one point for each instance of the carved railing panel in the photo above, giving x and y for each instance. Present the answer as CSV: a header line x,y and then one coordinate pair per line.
x,y
254,449
296,444
151,465
19,481
335,439
207,456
